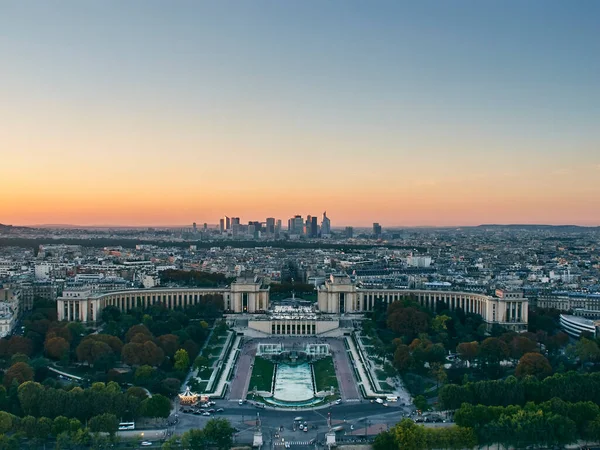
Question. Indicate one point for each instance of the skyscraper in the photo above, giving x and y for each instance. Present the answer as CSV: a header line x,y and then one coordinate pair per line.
x,y
222,226
270,225
325,225
314,227
349,232
227,223
376,230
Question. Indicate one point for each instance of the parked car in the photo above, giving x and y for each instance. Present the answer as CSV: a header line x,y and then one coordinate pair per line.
x,y
146,443
206,413
220,410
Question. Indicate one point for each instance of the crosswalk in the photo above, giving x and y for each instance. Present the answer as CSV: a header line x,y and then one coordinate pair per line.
x,y
291,443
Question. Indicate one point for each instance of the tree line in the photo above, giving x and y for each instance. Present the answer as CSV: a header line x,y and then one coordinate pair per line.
x,y
407,435
554,422
570,386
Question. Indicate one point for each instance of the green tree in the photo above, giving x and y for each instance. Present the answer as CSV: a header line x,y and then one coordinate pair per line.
x,y
28,426
493,350
220,433
385,441
30,394
106,423
194,440
156,406
182,360
60,425
144,374
409,436
8,443
6,422
421,403
587,351
44,428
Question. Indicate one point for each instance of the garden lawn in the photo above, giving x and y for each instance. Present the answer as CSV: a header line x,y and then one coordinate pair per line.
x,y
325,374
262,375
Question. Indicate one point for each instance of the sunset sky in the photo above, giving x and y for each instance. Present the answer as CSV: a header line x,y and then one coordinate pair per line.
x,y
399,112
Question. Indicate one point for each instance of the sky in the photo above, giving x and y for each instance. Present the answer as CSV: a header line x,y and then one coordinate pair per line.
x,y
399,112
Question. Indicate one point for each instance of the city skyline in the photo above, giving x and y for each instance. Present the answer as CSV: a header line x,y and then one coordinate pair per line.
x,y
428,114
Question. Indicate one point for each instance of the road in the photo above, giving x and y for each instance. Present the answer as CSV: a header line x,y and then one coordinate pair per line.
x,y
361,415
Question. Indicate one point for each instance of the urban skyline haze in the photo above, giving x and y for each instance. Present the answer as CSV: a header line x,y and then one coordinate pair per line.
x,y
428,113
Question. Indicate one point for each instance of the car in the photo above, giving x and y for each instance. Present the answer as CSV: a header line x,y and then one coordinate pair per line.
x,y
241,402
146,443
305,429
197,412
211,410
220,410
352,427
211,403
385,404
206,413
338,401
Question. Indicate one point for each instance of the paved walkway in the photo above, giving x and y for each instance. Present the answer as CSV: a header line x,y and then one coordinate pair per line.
x,y
343,369
239,384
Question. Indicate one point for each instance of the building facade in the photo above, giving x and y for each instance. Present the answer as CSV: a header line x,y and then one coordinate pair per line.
x,y
244,295
339,295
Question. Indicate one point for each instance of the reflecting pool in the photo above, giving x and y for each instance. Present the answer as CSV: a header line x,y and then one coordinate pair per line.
x,y
293,384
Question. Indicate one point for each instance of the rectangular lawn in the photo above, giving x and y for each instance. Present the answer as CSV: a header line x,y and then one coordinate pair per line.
x,y
325,374
262,375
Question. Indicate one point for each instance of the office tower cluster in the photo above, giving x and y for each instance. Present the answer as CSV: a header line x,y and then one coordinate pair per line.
x,y
308,227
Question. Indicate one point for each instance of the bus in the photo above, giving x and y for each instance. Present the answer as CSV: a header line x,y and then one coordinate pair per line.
x,y
126,426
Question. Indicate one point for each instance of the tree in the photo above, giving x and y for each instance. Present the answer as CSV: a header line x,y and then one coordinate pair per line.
x,y
439,323
468,351
30,395
169,343
533,364
106,423
92,349
406,321
409,436
137,329
19,344
144,374
182,360
6,422
60,425
44,428
385,441
8,443
493,350
587,351
194,440
156,406
19,372
220,433
520,345
28,425
135,354
56,348
421,403
402,358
